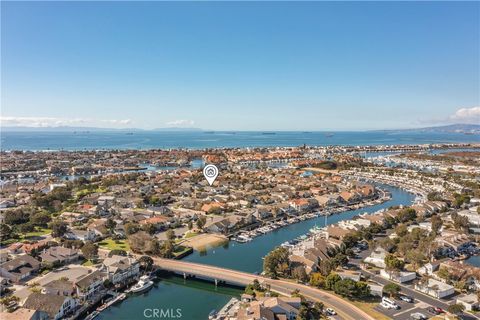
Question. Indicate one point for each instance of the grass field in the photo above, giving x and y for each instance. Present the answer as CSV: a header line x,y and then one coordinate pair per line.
x,y
114,244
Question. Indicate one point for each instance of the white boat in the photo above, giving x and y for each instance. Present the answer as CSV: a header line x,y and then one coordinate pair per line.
x,y
143,284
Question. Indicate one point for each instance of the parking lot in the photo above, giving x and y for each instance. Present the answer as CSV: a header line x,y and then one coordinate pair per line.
x,y
406,309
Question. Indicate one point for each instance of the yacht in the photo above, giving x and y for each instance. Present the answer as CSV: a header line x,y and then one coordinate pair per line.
x,y
143,284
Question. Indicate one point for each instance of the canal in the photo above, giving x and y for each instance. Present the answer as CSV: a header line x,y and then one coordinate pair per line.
x,y
197,298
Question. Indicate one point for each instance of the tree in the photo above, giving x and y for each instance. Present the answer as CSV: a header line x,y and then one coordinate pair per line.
x,y
331,280
131,228
299,273
90,250
345,288
145,262
392,289
401,230
407,214
201,222
41,219
437,223
59,228
317,280
276,262
456,308
363,289
393,263
166,250
110,224
170,234
5,231
325,267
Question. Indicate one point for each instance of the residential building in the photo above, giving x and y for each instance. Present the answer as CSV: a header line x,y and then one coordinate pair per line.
x,y
435,288
121,269
20,268
55,306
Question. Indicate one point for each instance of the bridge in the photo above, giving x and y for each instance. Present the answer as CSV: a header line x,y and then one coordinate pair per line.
x,y
221,275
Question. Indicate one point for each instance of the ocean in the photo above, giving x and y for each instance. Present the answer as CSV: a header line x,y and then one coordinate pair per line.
x,y
101,140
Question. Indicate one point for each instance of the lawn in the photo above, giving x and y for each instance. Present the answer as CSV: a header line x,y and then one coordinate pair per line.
x,y
368,308
111,244
190,234
37,233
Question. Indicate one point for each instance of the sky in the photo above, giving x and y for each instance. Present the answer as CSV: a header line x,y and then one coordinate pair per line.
x,y
240,66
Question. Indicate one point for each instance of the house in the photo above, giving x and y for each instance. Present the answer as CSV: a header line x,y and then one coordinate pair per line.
x,y
428,269
59,255
55,306
470,301
24,314
20,268
434,288
270,308
398,276
121,269
90,285
62,287
377,257
84,235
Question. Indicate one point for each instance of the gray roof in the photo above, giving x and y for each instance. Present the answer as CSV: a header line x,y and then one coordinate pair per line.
x,y
21,265
49,303
90,278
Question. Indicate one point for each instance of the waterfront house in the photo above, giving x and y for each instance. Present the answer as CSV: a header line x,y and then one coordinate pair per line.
x,y
121,269
55,306
24,314
90,286
20,268
62,287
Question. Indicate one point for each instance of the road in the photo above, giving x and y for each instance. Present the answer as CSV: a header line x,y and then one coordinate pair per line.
x,y
408,289
344,308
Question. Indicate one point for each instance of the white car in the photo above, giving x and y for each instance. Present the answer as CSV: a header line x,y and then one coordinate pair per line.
x,y
418,316
330,312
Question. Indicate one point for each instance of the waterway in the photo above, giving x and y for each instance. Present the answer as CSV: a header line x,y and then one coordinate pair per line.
x,y
196,298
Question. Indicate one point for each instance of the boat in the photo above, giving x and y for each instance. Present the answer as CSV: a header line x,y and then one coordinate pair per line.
x,y
143,284
212,314
92,315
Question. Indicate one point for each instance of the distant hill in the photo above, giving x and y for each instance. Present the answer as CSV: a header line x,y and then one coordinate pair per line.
x,y
451,128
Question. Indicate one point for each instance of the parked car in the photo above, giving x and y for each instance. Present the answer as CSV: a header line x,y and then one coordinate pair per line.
x,y
406,299
432,310
439,310
418,316
330,312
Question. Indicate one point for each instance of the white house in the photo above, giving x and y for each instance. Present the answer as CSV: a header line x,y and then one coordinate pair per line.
x,y
120,269
398,276
435,288
428,268
470,301
90,285
377,257
56,306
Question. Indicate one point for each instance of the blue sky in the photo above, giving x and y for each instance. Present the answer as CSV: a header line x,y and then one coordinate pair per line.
x,y
240,66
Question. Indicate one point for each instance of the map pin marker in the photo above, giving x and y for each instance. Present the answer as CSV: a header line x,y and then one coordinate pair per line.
x,y
210,172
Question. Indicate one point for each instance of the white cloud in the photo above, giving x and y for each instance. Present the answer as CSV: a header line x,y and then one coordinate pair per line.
x,y
120,122
466,115
45,122
180,123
